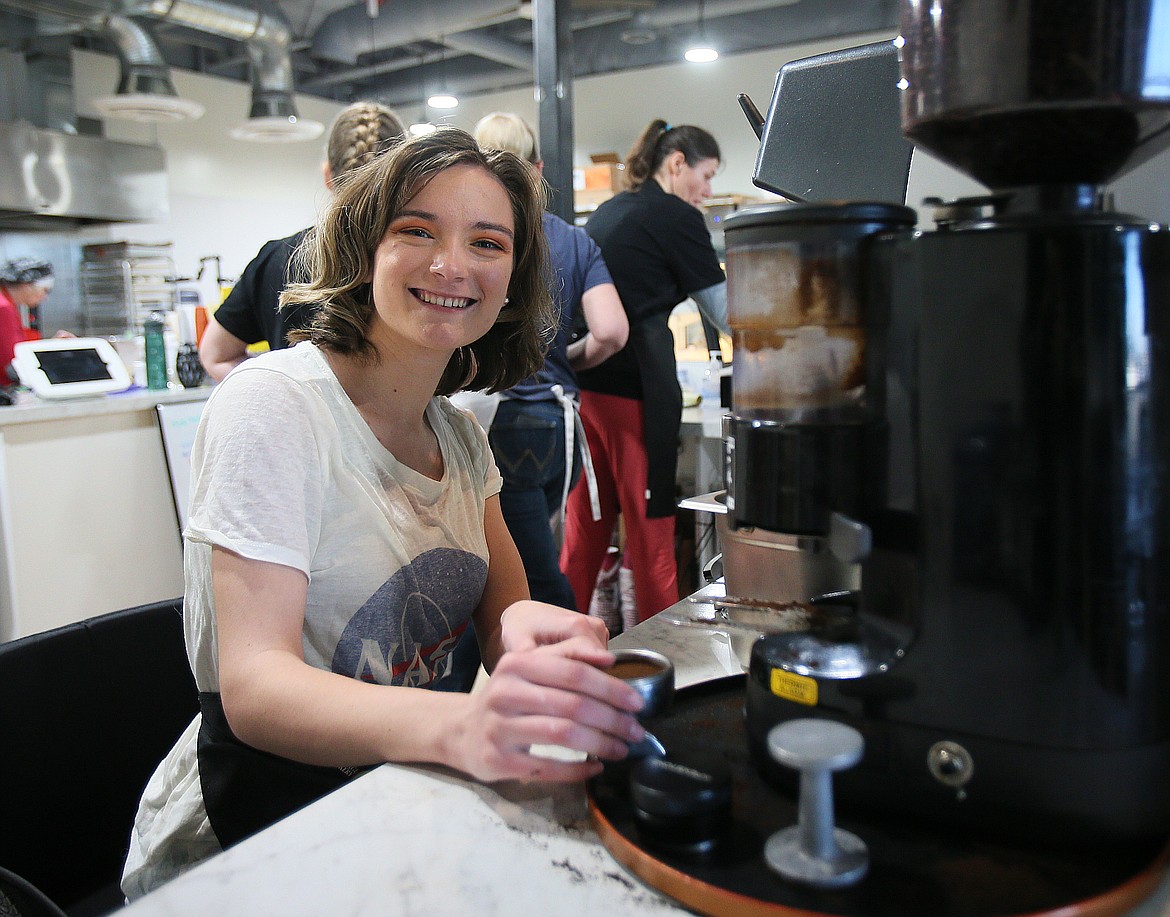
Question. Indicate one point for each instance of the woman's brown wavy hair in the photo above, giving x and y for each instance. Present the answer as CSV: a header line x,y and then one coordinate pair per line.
x,y
339,257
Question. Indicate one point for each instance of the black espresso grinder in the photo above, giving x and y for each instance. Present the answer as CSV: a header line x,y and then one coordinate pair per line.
x,y
1000,473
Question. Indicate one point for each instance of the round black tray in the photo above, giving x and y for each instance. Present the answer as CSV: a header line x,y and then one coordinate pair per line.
x,y
913,870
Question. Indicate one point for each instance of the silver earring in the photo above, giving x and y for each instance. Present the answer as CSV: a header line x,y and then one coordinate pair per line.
x,y
506,300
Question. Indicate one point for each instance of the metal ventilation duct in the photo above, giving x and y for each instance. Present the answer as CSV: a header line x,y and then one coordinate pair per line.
x,y
260,24
268,35
350,32
145,91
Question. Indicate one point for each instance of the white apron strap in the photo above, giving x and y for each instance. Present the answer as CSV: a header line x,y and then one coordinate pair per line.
x,y
575,434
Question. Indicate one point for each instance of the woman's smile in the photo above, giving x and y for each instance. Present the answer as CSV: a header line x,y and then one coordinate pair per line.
x,y
438,299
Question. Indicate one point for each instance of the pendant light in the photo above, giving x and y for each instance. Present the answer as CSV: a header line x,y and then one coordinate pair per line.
x,y
701,52
442,99
422,125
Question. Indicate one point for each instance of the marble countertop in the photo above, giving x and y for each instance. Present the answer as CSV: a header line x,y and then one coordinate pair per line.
x,y
406,840
32,409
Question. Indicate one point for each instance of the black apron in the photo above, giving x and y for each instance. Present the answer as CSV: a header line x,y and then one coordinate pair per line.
x,y
245,789
652,345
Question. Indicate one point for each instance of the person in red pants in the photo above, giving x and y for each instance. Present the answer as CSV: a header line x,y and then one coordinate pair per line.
x,y
659,252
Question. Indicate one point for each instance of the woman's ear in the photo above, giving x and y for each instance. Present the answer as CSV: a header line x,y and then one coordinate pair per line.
x,y
327,174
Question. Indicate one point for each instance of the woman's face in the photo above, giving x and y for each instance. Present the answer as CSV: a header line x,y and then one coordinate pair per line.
x,y
693,183
441,272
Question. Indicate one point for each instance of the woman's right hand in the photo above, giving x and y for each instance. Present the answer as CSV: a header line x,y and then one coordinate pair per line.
x,y
548,695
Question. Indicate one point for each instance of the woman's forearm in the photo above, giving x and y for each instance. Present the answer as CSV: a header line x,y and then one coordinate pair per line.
x,y
587,352
288,708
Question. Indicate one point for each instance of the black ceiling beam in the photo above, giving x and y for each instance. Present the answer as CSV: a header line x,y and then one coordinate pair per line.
x,y
553,53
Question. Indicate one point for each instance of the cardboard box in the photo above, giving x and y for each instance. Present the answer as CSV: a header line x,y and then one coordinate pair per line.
x,y
596,183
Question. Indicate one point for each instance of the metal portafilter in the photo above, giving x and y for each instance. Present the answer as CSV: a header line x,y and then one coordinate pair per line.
x,y
650,674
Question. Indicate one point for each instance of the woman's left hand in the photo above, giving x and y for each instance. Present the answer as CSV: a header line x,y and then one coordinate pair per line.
x,y
528,624
556,694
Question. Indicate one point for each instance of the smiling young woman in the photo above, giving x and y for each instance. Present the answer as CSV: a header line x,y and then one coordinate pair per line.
x,y
340,258
345,525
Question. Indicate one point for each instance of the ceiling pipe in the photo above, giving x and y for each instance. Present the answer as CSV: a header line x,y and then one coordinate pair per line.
x,y
663,17
489,48
408,62
475,44
349,33
260,24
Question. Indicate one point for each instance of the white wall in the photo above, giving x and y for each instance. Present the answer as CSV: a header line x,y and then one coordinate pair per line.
x,y
610,111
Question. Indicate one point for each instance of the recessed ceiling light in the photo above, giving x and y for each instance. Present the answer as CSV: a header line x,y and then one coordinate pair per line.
x,y
421,127
701,55
443,100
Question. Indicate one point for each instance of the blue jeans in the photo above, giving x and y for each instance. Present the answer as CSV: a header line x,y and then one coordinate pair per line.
x,y
528,442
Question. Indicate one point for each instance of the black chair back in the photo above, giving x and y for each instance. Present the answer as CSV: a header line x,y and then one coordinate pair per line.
x,y
87,711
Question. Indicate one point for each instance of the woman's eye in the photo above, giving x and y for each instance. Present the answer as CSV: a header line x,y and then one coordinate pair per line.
x,y
490,244
415,231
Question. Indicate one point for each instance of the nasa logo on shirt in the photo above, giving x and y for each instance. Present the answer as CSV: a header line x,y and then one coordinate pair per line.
x,y
405,631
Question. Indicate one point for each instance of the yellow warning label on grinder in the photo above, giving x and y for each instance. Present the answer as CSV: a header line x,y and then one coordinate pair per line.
x,y
798,688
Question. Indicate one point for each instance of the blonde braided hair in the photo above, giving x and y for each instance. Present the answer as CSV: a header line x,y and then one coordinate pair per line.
x,y
360,132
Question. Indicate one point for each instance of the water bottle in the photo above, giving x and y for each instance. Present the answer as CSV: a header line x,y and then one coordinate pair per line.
x,y
156,351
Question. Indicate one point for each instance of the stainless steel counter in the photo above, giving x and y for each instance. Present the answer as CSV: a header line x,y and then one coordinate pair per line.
x,y
34,410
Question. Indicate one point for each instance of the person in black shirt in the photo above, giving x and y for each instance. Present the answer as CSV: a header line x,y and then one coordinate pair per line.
x,y
659,252
250,313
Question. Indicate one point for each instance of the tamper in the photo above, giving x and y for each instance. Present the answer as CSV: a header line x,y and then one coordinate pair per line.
x,y
814,851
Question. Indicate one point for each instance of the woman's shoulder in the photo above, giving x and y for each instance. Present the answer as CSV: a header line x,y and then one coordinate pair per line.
x,y
677,207
460,420
459,427
565,238
277,374
281,397
301,360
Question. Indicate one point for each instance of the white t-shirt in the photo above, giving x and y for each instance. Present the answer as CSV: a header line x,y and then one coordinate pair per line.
x,y
285,470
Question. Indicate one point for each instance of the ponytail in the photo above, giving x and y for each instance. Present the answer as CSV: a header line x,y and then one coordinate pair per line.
x,y
658,141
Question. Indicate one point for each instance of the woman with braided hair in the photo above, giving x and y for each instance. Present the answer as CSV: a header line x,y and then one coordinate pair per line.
x,y
250,313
